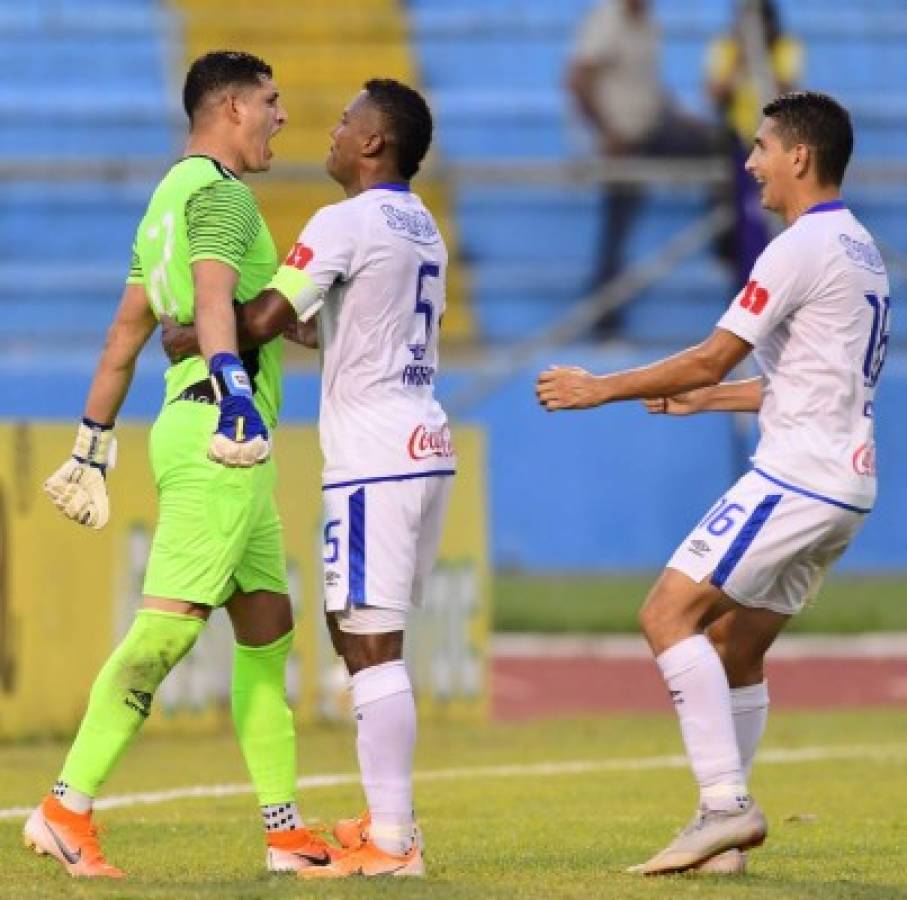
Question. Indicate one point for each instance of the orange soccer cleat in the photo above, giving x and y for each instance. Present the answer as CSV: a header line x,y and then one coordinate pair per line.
x,y
301,848
351,834
369,861
71,838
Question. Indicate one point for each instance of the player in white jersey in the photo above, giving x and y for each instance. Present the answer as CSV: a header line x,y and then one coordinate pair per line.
x,y
370,272
815,313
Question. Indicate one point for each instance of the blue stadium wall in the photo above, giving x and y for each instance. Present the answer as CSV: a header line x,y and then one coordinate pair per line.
x,y
608,489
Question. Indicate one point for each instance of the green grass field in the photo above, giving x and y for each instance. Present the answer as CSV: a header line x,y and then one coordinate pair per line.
x,y
838,826
589,604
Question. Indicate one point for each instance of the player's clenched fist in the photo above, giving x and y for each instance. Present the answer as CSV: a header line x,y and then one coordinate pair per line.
x,y
241,439
79,488
567,387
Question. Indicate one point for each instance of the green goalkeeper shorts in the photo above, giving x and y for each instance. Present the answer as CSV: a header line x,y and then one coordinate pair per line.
x,y
218,530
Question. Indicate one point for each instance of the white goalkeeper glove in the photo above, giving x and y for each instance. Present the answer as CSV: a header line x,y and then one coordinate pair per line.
x,y
78,488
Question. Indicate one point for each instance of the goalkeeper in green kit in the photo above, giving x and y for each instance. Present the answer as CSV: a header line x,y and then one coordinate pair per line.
x,y
201,245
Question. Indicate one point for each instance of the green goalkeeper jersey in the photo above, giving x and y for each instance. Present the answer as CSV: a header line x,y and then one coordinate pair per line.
x,y
201,210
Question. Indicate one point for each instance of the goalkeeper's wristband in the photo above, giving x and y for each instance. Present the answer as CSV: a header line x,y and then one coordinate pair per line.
x,y
229,377
95,445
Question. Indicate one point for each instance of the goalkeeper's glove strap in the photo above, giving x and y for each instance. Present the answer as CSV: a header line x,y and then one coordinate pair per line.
x,y
94,444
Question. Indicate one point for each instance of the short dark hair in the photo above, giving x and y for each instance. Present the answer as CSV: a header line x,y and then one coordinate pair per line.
x,y
407,116
808,117
218,69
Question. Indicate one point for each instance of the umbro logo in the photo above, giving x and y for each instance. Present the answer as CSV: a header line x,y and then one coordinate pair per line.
x,y
677,697
140,701
699,548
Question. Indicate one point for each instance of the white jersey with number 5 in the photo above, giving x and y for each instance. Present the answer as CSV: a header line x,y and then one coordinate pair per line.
x,y
816,310
380,263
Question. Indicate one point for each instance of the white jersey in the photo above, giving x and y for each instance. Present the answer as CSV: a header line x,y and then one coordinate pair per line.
x,y
380,263
816,310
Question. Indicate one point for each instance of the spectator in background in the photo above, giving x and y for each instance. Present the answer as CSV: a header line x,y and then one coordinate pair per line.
x,y
744,69
615,80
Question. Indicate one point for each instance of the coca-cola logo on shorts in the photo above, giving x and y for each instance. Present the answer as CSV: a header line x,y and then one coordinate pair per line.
x,y
424,444
864,459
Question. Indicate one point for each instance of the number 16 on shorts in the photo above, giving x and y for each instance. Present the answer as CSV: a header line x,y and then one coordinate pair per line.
x,y
727,531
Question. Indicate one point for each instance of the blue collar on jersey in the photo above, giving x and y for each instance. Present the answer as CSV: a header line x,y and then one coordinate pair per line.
x,y
829,206
401,186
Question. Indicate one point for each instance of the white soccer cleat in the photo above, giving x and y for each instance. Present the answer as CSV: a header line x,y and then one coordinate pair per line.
x,y
731,862
710,833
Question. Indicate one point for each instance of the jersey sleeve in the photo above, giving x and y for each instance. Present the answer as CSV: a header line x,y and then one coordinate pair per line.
x,y
136,275
778,285
322,254
222,221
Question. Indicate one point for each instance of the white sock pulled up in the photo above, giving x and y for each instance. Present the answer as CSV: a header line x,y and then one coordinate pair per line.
x,y
386,722
699,688
749,706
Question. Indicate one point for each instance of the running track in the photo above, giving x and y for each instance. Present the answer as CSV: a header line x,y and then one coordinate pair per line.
x,y
538,675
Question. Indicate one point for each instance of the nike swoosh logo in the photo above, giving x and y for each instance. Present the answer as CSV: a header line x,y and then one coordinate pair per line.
x,y
68,855
323,860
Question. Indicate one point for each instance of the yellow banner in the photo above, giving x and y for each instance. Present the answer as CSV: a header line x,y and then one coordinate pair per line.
x,y
68,593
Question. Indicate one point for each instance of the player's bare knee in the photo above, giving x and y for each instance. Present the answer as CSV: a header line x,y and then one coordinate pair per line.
x,y
370,636
260,618
362,651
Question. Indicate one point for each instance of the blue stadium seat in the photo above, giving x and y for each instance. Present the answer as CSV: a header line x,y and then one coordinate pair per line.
x,y
80,81
81,222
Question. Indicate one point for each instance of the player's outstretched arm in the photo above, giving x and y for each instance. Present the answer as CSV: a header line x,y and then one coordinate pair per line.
x,y
729,396
79,488
703,365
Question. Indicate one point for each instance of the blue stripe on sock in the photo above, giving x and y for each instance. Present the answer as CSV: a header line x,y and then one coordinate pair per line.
x,y
745,537
357,547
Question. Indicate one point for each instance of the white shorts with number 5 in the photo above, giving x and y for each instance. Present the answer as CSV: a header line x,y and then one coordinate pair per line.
x,y
767,543
380,541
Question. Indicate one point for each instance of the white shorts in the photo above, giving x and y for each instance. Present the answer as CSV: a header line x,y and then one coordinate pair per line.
x,y
767,544
381,540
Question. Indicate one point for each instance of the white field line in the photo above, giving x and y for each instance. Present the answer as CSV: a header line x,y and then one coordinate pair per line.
x,y
778,756
627,646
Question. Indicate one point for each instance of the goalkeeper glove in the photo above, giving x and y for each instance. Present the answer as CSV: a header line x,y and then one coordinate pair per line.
x,y
241,438
79,488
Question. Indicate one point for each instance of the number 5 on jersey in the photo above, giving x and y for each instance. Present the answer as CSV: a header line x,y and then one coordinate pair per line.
x,y
424,308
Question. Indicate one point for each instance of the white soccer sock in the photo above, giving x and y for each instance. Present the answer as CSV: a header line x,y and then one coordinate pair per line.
x,y
75,801
695,677
386,722
749,706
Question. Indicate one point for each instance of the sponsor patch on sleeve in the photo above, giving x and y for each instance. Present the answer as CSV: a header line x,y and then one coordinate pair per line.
x,y
754,297
299,256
